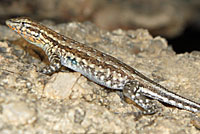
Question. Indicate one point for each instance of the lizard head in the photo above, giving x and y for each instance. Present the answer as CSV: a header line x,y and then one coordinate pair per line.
x,y
28,29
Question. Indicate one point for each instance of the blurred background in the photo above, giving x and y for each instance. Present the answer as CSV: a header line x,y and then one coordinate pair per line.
x,y
176,20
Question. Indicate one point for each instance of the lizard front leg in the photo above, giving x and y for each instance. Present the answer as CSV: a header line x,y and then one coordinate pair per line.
x,y
55,64
132,91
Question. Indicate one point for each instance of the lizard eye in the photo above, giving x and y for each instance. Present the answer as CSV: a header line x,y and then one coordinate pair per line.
x,y
23,23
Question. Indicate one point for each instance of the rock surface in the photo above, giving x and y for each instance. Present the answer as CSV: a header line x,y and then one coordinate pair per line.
x,y
67,102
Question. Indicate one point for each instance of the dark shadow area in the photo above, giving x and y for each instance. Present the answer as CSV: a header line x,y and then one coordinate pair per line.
x,y
188,41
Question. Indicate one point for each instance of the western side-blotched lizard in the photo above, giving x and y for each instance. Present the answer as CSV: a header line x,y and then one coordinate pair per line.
x,y
98,67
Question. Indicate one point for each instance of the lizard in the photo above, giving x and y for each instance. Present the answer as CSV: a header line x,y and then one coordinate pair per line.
x,y
97,66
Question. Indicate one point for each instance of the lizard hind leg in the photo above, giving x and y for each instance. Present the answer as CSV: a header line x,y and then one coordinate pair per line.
x,y
132,91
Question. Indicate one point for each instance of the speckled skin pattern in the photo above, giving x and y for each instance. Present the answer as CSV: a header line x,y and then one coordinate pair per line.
x,y
98,67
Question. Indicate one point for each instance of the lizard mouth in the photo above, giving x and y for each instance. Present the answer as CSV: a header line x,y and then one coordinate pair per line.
x,y
8,23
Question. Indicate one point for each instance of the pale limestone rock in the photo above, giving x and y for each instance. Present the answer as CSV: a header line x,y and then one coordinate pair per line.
x,y
64,86
18,113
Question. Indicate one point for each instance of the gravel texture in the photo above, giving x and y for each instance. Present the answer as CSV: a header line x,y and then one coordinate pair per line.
x,y
67,102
